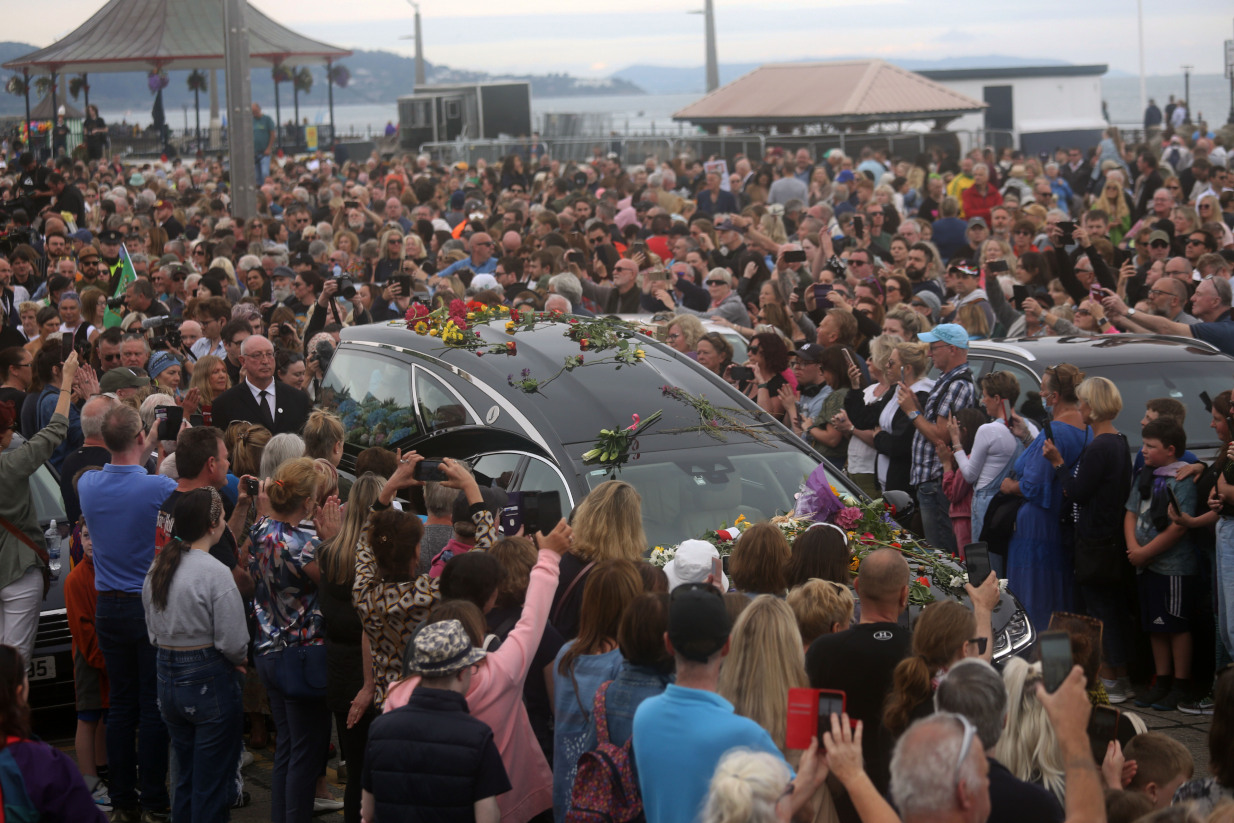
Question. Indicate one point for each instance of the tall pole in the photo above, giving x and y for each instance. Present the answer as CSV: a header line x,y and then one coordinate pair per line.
x,y
1139,8
85,90
25,73
420,76
278,117
330,96
239,113
197,115
1187,90
713,66
216,124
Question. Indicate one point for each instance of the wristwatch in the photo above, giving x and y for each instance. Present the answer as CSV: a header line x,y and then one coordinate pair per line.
x,y
914,414
1131,312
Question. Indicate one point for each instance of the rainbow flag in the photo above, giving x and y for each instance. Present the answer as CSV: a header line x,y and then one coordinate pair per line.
x,y
127,275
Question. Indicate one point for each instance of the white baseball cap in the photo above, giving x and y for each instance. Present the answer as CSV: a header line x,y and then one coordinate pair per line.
x,y
692,563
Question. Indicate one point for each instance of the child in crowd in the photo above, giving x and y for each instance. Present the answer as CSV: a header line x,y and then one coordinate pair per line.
x,y
430,759
1163,408
1162,764
89,672
958,490
1167,571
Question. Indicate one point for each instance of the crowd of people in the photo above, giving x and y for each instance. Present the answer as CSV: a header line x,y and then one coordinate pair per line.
x,y
230,590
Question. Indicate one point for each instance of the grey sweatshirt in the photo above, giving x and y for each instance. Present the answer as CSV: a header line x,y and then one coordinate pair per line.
x,y
203,608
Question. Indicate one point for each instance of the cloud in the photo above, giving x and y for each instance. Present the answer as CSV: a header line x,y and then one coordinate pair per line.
x,y
955,36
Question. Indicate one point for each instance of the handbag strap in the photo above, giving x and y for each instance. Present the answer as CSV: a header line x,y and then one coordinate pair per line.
x,y
601,713
561,604
40,551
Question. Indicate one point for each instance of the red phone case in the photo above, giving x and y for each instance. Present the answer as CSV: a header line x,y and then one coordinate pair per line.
x,y
803,716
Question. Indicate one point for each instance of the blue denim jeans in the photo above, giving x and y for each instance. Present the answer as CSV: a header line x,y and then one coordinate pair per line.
x,y
1224,581
262,168
200,697
936,516
135,731
303,727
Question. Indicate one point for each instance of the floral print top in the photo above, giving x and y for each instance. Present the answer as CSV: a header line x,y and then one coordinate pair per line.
x,y
391,611
285,597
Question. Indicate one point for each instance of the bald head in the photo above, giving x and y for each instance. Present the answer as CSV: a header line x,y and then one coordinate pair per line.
x,y
883,578
92,415
511,242
927,784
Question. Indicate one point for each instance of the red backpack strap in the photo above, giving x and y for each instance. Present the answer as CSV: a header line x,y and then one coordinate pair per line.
x,y
601,714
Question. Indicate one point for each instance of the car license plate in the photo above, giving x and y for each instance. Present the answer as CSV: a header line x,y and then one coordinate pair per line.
x,y
42,668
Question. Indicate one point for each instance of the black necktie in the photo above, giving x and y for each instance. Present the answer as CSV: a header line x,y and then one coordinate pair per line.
x,y
265,408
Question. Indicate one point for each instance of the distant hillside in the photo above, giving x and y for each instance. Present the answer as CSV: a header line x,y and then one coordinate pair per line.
x,y
674,80
376,77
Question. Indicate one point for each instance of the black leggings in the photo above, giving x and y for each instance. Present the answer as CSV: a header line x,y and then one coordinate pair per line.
x,y
353,742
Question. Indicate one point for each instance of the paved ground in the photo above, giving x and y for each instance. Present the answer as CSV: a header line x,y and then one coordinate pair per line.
x,y
1191,730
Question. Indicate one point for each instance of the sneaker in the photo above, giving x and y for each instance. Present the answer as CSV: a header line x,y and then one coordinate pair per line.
x,y
1170,702
101,798
243,800
246,759
1118,690
326,804
149,816
1202,706
1158,692
124,816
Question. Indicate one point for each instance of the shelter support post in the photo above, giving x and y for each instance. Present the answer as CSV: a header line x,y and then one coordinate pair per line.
x,y
239,112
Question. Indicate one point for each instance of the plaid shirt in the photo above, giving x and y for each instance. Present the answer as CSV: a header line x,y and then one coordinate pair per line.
x,y
953,391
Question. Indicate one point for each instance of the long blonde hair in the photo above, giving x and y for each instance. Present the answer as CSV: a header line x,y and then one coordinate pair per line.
x,y
608,524
765,660
1028,747
338,556
201,377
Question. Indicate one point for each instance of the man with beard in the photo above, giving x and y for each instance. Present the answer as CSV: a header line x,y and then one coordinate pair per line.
x,y
918,268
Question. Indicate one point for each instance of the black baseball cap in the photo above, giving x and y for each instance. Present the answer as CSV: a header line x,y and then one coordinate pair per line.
x,y
698,621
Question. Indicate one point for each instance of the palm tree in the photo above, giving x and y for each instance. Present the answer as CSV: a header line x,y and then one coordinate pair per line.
x,y
336,75
280,74
197,83
302,81
78,85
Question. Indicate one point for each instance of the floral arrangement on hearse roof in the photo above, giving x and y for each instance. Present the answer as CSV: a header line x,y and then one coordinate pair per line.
x,y
600,340
869,526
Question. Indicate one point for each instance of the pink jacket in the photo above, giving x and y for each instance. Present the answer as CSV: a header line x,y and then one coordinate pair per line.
x,y
496,697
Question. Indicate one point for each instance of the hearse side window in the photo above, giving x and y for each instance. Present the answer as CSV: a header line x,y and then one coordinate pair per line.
x,y
372,395
439,408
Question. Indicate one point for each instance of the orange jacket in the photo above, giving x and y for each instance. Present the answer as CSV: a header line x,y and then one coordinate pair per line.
x,y
79,601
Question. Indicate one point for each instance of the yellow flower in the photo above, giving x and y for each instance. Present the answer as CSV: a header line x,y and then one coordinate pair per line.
x,y
422,327
471,315
741,518
509,325
432,332
505,309
640,354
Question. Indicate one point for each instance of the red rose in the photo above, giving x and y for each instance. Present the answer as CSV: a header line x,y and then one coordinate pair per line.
x,y
510,348
923,581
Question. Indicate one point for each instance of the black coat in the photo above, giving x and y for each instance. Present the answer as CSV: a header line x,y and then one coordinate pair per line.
x,y
431,760
291,408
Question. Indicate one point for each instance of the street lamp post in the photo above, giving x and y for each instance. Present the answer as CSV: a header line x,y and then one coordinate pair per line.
x,y
1187,90
709,30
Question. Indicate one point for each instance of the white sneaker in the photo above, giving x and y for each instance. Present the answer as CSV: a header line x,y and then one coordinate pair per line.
x,y
1118,690
101,798
246,759
326,804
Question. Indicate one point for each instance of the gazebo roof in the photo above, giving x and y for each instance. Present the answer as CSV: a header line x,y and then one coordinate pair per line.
x,y
43,110
140,35
849,92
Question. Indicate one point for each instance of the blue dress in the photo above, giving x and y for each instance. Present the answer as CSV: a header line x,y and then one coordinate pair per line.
x,y
1040,570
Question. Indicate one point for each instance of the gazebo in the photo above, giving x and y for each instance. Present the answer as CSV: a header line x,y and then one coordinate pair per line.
x,y
157,35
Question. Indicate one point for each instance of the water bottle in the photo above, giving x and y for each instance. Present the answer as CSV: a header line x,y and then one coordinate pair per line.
x,y
52,538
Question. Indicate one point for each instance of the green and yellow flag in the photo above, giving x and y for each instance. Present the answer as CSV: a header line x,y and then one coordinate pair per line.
x,y
127,275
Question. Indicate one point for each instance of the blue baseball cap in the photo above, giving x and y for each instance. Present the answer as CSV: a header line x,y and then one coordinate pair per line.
x,y
952,334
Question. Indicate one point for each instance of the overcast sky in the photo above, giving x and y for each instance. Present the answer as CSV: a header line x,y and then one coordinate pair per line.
x,y
585,39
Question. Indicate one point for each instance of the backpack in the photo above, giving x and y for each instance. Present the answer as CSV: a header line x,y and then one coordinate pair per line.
x,y
606,785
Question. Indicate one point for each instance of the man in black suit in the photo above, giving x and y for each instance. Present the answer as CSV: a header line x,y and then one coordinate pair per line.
x,y
260,398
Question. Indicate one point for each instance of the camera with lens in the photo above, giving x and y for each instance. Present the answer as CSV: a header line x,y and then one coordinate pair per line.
x,y
323,351
10,240
165,333
346,286
116,303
